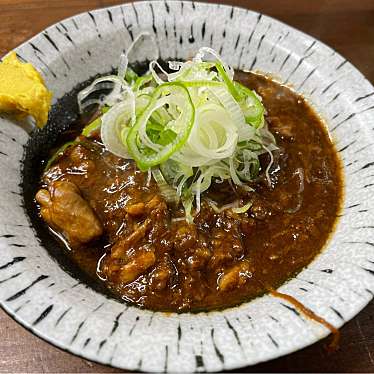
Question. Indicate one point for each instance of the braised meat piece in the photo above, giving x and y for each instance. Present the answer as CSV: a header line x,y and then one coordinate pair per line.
x,y
121,247
63,207
235,276
138,264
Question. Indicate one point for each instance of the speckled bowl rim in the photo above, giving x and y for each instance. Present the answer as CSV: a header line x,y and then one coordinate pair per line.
x,y
355,282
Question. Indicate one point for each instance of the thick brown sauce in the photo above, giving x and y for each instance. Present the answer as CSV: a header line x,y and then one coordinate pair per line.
x,y
284,230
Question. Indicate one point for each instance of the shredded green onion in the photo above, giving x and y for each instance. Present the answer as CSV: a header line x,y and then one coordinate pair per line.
x,y
92,127
169,193
242,209
190,128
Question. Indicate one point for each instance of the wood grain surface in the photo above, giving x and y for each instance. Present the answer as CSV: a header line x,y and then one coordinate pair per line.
x,y
345,25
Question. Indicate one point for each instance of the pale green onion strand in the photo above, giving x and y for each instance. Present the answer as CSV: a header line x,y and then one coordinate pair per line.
x,y
231,206
213,125
166,190
115,95
149,177
234,206
83,106
234,175
197,191
124,60
204,181
244,130
123,63
178,219
266,136
213,205
159,104
142,130
175,65
141,102
146,91
187,204
300,173
246,188
242,209
201,185
155,76
181,184
206,50
257,95
114,121
180,71
131,98
269,165
188,157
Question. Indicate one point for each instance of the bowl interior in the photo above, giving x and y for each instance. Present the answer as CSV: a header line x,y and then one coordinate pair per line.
x,y
36,290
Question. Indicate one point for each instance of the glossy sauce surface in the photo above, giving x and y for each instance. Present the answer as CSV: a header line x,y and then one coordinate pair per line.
x,y
147,254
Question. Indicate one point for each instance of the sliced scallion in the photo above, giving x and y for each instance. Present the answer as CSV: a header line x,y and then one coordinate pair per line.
x,y
190,127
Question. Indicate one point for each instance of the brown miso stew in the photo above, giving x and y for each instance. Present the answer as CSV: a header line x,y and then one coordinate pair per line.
x,y
147,254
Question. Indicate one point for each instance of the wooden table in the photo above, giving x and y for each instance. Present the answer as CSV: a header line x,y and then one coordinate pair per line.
x,y
348,27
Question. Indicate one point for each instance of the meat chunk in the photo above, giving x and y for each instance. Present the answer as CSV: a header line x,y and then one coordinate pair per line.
x,y
199,258
185,236
225,247
79,153
136,209
161,275
139,263
80,160
63,207
235,276
120,248
156,202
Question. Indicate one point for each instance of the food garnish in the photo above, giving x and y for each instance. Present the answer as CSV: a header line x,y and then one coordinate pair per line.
x,y
23,91
187,128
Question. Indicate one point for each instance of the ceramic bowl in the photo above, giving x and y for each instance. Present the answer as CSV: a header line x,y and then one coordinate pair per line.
x,y
43,297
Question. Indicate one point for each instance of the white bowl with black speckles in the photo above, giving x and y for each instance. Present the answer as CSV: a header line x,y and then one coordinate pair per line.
x,y
336,285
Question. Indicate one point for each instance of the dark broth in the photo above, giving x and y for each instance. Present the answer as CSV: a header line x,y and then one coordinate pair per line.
x,y
224,259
